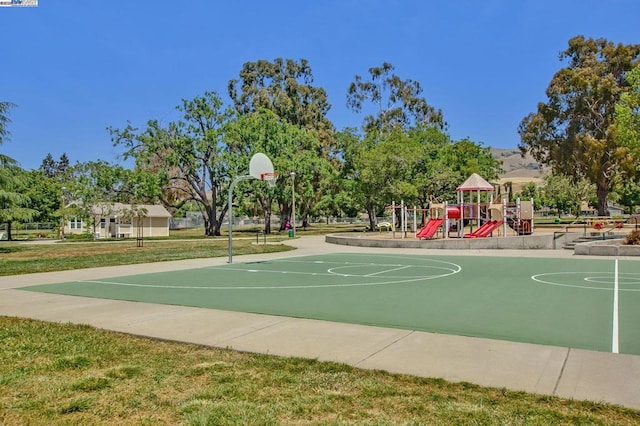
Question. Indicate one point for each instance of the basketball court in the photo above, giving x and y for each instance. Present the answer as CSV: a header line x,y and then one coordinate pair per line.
x,y
569,302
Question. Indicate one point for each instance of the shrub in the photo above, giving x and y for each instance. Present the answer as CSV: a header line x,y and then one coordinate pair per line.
x,y
633,238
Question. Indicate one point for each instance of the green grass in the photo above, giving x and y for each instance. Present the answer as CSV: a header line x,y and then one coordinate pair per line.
x,y
59,374
19,258
62,374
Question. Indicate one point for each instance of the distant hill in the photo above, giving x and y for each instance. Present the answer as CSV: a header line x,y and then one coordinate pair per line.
x,y
517,170
516,166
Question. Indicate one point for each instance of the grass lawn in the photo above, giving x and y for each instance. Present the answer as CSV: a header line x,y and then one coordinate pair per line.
x,y
20,258
62,374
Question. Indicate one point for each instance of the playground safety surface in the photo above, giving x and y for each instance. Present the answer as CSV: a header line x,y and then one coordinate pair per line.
x,y
545,325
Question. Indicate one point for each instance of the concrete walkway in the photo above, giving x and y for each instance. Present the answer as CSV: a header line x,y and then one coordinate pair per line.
x,y
564,372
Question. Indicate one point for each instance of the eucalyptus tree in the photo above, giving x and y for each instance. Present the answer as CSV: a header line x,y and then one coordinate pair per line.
x,y
574,130
627,114
185,158
284,86
390,101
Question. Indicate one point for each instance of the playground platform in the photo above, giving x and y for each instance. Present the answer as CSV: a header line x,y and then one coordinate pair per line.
x,y
524,242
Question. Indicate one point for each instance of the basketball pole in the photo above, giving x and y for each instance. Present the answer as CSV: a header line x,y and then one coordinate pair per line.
x,y
293,201
230,203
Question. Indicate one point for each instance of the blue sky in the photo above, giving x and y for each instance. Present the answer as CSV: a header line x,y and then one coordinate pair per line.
x,y
74,68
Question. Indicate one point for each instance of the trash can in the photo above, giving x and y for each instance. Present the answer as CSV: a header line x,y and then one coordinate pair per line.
x,y
290,233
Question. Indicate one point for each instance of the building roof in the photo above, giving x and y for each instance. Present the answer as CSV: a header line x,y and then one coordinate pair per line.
x,y
120,210
475,182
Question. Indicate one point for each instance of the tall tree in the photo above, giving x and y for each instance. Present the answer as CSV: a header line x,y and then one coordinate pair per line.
x,y
291,149
284,86
14,205
55,169
378,169
396,102
4,120
185,158
364,181
574,132
627,114
45,194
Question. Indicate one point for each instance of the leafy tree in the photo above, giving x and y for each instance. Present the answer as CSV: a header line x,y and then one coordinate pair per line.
x,y
91,190
574,130
48,166
45,196
283,86
628,194
55,169
433,172
415,167
562,194
530,190
4,120
291,149
14,205
376,169
360,171
185,158
396,102
470,157
627,113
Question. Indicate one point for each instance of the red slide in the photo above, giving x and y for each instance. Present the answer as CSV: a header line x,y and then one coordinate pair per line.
x,y
485,230
429,230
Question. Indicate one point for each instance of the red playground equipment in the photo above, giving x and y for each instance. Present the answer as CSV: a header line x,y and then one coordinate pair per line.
x,y
430,229
477,208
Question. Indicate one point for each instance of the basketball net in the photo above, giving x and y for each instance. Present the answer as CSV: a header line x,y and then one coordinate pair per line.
x,y
270,178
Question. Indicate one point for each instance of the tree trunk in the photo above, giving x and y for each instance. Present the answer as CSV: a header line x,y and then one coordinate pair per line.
x,y
285,215
9,237
372,217
209,221
218,226
267,222
266,208
602,192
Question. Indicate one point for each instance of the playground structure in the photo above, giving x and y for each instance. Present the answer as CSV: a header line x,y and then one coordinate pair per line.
x,y
477,210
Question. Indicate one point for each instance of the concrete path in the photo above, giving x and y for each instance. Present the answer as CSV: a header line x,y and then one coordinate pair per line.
x,y
564,372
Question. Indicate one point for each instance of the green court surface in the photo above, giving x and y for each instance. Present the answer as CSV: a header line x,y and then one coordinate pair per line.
x,y
578,303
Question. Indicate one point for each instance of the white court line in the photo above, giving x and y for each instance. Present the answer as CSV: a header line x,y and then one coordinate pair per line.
x,y
387,270
614,343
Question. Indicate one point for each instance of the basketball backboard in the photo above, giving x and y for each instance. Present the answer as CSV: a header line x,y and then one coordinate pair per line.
x,y
260,165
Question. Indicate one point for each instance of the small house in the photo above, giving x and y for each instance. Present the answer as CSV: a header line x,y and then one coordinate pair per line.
x,y
117,220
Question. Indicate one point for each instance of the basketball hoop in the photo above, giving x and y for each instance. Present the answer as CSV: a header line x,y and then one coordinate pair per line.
x,y
260,167
270,177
